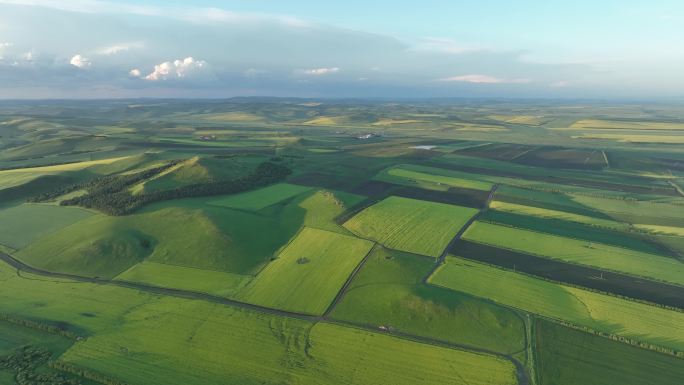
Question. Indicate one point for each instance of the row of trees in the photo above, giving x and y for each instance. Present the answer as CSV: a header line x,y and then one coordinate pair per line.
x,y
61,330
85,373
112,197
109,184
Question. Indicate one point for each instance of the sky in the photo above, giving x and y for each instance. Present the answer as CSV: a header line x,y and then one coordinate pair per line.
x,y
601,49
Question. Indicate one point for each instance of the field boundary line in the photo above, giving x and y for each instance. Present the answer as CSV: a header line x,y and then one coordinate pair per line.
x,y
343,290
671,352
575,286
442,257
585,265
521,374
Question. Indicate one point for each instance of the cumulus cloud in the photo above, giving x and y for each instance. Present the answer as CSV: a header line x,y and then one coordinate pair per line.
x,y
135,72
321,71
484,79
176,69
80,61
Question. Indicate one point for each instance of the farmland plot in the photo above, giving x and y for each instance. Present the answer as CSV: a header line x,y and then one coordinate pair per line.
x,y
259,199
569,357
431,178
308,273
578,251
600,312
411,225
389,291
199,343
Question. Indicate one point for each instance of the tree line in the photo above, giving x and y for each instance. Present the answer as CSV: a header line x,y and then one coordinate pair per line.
x,y
110,194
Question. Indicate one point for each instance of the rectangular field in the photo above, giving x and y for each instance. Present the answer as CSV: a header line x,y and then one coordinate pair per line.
x,y
308,273
261,198
411,225
569,357
600,124
556,214
431,178
600,312
578,251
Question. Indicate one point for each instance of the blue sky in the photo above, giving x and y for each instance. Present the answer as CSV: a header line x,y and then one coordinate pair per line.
x,y
428,48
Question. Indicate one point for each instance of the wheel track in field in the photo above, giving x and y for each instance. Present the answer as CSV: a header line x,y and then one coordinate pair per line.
x,y
520,372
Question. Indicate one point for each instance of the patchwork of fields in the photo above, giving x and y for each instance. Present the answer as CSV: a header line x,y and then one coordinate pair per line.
x,y
411,225
321,242
600,312
578,251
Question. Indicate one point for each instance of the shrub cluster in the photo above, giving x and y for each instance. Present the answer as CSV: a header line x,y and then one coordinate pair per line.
x,y
25,361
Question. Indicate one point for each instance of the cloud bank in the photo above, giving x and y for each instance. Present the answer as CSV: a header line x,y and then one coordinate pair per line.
x,y
210,52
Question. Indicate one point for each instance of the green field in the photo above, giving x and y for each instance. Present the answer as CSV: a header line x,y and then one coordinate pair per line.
x,y
411,225
431,178
259,199
389,291
600,312
308,273
568,357
189,233
128,327
578,251
297,241
223,344
555,214
186,278
633,240
21,225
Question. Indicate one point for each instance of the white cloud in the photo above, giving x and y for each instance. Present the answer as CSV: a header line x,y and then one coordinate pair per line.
x,y
80,61
5,44
321,71
177,69
135,73
560,84
484,79
118,48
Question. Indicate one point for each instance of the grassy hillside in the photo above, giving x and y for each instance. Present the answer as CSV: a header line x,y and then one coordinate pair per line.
x,y
21,225
390,291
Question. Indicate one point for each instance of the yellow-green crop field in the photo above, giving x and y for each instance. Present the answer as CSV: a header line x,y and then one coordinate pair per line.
x,y
578,251
411,225
601,312
307,275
